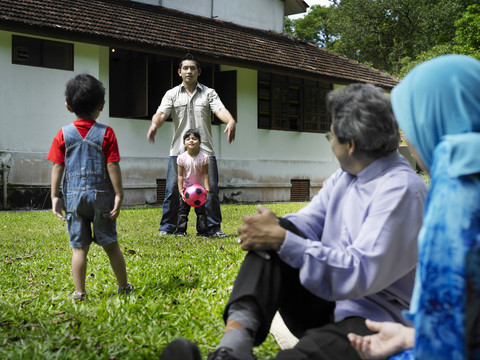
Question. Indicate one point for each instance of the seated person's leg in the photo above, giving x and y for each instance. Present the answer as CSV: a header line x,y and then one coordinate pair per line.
x,y
329,342
262,287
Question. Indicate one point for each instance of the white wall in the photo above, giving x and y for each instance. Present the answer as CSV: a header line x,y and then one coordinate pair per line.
x,y
259,163
264,161
260,14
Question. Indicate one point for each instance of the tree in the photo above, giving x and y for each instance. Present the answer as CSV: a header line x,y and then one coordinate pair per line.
x,y
406,64
382,32
467,34
466,41
313,27
386,34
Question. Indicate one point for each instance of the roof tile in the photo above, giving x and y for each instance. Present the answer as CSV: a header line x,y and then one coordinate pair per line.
x,y
123,21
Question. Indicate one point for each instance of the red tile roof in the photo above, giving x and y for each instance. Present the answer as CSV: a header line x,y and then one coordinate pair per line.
x,y
162,30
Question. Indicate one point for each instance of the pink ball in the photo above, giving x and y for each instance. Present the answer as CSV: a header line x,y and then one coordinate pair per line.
x,y
195,195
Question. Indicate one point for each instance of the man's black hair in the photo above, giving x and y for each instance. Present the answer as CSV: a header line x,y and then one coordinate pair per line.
x,y
190,57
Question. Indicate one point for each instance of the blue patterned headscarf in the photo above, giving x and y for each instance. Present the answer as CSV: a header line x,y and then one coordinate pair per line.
x,y
439,100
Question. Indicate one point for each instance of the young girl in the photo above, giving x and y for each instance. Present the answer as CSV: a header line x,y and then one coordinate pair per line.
x,y
192,169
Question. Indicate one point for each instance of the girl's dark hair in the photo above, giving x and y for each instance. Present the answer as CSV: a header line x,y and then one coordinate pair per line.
x,y
84,94
194,132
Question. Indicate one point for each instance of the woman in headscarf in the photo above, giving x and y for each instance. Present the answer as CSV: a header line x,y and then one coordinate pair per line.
x,y
437,106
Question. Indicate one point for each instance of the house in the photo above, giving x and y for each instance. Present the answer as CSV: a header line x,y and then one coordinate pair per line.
x,y
274,84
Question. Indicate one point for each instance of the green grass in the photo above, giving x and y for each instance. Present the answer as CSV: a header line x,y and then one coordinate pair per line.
x,y
181,288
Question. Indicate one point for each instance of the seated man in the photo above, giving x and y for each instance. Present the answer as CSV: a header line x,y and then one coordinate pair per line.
x,y
350,254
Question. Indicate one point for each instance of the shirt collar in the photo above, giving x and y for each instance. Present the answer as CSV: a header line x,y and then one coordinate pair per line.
x,y
200,87
377,168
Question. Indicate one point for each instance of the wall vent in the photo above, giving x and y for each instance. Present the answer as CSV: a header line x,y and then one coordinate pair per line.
x,y
300,190
161,185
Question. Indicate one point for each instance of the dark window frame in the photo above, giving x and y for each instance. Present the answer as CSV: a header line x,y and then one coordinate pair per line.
x,y
139,80
30,51
287,103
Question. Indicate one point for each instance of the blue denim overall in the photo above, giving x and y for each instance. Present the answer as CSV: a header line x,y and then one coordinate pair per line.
x,y
87,188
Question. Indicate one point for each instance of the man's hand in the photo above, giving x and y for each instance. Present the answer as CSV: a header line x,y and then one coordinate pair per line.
x,y
58,207
157,120
152,131
391,338
261,231
227,118
230,130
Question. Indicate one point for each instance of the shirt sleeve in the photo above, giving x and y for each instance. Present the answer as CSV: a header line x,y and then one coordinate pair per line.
x,y
205,159
181,160
57,149
383,250
166,105
110,146
214,101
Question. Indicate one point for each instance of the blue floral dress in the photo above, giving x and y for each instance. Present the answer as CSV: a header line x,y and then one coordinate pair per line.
x,y
446,301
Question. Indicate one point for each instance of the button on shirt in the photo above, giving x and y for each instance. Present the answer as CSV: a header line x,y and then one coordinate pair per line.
x,y
361,246
190,112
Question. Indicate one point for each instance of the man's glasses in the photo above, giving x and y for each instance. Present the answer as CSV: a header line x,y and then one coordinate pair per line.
x,y
329,136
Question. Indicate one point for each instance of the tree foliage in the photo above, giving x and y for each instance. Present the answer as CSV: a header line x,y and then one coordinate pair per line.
x,y
467,34
313,27
392,34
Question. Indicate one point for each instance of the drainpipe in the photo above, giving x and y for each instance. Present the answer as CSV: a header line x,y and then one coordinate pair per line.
x,y
211,10
4,177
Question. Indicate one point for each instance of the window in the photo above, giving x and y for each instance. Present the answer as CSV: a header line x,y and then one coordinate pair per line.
x,y
292,104
139,80
42,53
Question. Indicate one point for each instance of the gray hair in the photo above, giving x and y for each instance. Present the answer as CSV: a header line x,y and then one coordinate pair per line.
x,y
363,113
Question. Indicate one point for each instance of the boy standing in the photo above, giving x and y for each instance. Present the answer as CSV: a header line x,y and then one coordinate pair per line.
x,y
92,185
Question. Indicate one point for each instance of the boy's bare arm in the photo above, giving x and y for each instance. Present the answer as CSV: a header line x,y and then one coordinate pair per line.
x,y
116,178
57,202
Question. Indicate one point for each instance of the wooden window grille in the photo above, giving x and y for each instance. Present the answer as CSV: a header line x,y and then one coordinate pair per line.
x,y
292,104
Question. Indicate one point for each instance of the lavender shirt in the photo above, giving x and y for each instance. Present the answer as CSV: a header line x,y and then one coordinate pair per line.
x,y
362,231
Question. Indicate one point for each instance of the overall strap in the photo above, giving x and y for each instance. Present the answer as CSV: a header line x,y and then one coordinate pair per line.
x,y
71,136
95,135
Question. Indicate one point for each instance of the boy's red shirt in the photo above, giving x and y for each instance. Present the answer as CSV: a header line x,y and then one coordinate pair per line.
x,y
110,145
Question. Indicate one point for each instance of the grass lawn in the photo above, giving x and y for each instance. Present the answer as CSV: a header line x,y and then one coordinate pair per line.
x,y
181,288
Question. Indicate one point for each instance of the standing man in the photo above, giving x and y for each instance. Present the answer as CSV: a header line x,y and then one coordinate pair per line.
x,y
190,105
350,254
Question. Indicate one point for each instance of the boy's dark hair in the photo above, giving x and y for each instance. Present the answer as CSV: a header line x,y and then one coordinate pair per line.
x,y
194,132
84,94
188,56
